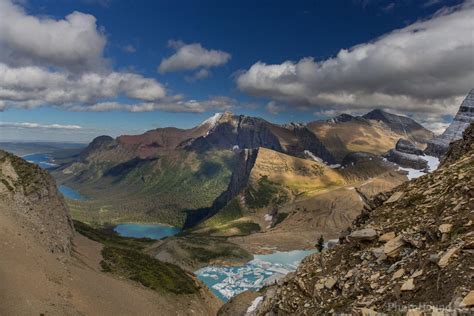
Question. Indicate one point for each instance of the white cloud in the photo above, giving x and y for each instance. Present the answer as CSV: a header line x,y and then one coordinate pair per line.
x,y
32,86
218,103
74,42
198,75
60,62
425,67
29,125
192,56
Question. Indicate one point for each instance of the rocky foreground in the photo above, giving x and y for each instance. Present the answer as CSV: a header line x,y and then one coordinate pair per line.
x,y
412,250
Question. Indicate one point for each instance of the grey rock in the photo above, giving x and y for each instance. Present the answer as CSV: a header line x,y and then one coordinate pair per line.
x,y
465,116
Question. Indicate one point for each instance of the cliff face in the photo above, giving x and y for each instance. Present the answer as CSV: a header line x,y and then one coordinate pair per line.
x,y
412,246
464,117
407,155
28,194
239,179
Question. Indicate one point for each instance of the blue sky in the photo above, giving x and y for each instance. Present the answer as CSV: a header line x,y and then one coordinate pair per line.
x,y
249,57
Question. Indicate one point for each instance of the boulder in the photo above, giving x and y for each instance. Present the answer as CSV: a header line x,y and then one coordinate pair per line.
x,y
446,257
330,282
392,248
387,236
363,234
398,274
468,300
445,228
409,285
395,197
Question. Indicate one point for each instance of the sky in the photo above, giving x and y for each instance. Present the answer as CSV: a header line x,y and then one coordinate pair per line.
x,y
73,70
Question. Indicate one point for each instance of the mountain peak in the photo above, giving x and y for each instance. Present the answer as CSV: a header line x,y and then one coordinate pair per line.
x,y
216,119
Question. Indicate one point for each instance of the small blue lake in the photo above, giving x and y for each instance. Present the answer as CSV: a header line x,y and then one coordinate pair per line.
x,y
153,231
45,161
70,193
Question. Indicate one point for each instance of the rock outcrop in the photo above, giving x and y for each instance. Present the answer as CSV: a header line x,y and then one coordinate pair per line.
x,y
439,145
460,147
29,196
407,155
423,255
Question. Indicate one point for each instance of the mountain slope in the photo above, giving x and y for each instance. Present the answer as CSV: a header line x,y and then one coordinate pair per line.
x,y
282,194
166,173
413,247
48,269
375,132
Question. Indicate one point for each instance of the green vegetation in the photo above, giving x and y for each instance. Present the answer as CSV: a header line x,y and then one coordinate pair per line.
x,y
265,193
107,236
204,250
320,244
280,217
124,256
235,228
228,213
150,272
158,190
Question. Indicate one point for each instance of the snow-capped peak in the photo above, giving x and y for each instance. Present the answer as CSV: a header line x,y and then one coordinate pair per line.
x,y
213,120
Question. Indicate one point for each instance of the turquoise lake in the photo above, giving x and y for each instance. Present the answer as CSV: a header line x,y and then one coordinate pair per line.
x,y
228,281
153,231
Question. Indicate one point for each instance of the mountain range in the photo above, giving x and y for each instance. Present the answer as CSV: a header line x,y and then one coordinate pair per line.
x,y
166,173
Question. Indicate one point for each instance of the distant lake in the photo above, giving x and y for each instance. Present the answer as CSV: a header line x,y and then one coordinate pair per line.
x,y
45,161
153,231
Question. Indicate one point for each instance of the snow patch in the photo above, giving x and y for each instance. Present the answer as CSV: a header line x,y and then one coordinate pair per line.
x,y
313,156
433,164
212,122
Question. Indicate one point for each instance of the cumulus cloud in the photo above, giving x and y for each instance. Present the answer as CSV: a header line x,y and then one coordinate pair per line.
x,y
192,56
31,86
74,42
425,67
60,62
29,125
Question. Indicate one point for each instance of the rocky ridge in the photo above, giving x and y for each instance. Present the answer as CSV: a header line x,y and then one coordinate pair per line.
x,y
28,194
465,116
410,251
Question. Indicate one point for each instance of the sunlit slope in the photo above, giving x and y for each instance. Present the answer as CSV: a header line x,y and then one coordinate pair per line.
x,y
296,175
